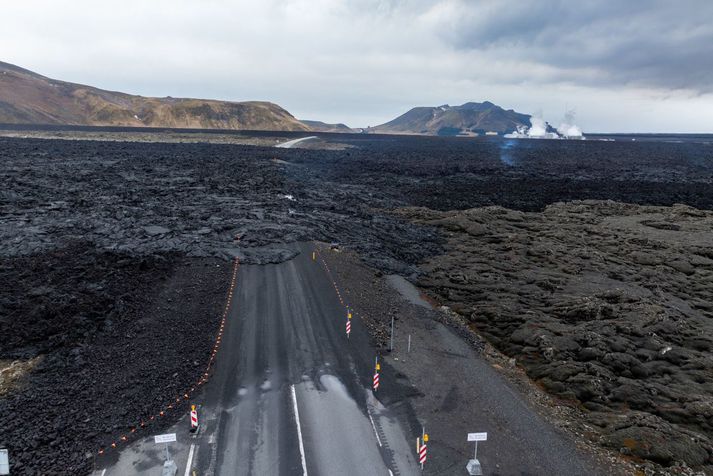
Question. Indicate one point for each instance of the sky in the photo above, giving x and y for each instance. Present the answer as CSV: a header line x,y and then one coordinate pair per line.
x,y
622,66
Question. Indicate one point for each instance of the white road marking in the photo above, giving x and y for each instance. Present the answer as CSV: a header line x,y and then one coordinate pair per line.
x,y
299,431
378,440
190,460
103,472
390,473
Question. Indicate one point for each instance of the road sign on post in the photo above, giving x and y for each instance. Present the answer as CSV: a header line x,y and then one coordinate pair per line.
x,y
4,462
473,465
167,438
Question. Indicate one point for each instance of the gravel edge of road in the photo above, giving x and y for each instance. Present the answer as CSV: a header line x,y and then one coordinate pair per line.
x,y
564,417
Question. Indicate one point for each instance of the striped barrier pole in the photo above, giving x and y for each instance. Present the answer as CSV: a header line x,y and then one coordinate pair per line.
x,y
194,419
376,375
422,449
422,452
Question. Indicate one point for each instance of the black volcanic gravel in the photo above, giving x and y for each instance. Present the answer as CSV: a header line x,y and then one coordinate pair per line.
x,y
111,332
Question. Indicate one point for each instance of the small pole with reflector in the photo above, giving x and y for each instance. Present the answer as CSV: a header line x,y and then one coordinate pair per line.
x,y
423,448
376,374
349,322
194,419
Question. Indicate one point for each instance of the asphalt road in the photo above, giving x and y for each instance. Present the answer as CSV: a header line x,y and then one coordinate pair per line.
x,y
289,394
291,143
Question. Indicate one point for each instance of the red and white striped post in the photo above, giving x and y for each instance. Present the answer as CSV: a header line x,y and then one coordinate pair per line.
x,y
422,454
194,419
422,448
349,322
376,375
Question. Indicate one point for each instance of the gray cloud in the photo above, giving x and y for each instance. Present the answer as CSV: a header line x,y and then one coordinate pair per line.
x,y
365,61
658,44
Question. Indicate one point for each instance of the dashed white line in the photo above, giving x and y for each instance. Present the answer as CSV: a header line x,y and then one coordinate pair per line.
x,y
190,460
378,440
103,472
299,431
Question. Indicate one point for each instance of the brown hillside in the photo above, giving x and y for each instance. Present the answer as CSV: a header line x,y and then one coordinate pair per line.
x,y
29,98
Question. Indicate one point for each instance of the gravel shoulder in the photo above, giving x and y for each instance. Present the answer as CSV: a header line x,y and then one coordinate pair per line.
x,y
455,389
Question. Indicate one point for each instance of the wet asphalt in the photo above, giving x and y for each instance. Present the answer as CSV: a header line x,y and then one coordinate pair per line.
x,y
290,394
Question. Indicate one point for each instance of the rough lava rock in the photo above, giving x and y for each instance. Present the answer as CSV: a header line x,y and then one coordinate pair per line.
x,y
600,307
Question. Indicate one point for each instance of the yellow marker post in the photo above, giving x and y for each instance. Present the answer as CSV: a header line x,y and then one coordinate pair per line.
x,y
425,437
378,366
349,315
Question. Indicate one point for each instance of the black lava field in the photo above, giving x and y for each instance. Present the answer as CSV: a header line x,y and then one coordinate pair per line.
x,y
104,243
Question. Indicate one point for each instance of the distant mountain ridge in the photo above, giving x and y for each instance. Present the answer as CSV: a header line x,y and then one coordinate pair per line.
x,y
29,98
470,118
319,126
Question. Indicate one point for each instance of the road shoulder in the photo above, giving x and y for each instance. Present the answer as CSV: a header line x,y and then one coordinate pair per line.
x,y
456,384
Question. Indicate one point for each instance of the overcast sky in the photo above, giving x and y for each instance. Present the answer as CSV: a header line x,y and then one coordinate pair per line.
x,y
623,65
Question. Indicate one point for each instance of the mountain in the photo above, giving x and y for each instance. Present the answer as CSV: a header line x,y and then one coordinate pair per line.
x,y
469,119
29,98
319,126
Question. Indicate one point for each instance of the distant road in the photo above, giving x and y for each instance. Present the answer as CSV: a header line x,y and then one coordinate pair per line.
x,y
290,395
291,143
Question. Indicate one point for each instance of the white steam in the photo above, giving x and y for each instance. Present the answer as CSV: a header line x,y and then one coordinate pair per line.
x,y
538,129
568,128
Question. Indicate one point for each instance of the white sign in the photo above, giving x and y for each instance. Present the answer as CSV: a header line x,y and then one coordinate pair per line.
x,y
477,436
4,462
167,438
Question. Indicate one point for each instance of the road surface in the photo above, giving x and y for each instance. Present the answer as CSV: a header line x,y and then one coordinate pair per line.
x,y
290,394
291,143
